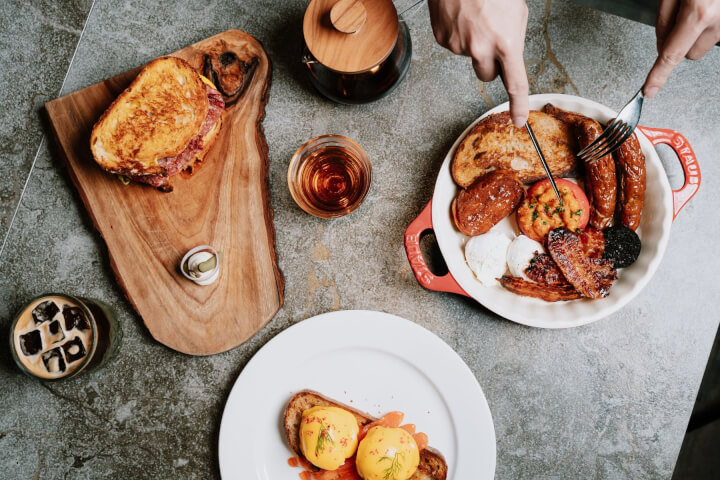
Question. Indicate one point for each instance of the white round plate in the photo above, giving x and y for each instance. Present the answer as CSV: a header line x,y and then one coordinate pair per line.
x,y
373,361
654,232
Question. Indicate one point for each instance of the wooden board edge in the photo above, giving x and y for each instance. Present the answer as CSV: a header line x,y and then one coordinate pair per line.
x,y
267,201
59,148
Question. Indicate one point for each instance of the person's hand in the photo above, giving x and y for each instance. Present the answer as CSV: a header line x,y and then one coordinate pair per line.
x,y
492,32
684,28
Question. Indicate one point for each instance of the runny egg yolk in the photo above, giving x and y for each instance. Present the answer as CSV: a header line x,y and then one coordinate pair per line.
x,y
387,454
328,435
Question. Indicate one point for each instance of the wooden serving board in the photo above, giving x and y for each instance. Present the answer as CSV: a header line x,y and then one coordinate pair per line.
x,y
225,203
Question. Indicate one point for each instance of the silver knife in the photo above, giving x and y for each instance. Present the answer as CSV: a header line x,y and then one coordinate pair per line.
x,y
542,159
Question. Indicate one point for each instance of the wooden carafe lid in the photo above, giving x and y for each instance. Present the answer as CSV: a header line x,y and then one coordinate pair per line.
x,y
350,36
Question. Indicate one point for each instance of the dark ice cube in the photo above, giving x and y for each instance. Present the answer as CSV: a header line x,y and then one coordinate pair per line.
x,y
55,332
54,361
74,349
75,318
44,312
31,343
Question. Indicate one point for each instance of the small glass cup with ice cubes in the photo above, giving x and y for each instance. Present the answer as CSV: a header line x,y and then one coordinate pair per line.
x,y
58,336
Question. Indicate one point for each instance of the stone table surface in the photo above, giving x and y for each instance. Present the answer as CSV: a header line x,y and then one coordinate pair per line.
x,y
608,400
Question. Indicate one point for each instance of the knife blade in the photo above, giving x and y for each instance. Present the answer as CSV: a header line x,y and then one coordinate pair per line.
x,y
542,160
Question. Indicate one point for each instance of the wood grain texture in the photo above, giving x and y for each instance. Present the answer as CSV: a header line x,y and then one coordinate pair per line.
x,y
226,204
351,52
348,16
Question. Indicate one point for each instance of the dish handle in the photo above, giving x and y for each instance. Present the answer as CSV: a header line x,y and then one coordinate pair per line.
x,y
688,160
424,276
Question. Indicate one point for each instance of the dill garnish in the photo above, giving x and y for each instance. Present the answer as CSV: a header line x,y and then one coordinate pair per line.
x,y
394,468
323,436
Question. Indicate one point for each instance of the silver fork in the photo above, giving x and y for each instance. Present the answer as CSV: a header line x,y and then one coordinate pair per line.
x,y
616,132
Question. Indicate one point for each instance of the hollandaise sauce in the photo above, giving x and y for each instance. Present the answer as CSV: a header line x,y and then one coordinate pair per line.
x,y
394,420
328,435
387,453
383,449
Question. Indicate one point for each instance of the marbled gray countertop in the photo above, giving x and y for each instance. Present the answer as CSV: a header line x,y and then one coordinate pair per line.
x,y
608,400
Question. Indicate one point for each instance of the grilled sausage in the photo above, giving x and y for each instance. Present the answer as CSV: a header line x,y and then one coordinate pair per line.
x,y
599,177
600,180
487,201
630,166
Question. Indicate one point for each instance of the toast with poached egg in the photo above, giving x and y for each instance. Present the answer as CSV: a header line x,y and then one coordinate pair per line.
x,y
431,464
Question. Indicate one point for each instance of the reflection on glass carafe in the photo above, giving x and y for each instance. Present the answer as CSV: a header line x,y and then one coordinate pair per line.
x,y
355,51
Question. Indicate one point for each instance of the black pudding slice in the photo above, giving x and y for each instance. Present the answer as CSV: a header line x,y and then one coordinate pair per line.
x,y
622,245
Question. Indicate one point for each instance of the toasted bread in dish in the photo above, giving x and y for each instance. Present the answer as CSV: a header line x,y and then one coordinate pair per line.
x,y
154,118
496,144
432,464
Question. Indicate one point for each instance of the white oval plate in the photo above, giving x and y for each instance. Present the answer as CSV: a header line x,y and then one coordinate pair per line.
x,y
654,232
373,361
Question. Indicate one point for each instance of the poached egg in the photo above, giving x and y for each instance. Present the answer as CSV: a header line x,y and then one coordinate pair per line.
x,y
521,250
328,436
387,453
486,256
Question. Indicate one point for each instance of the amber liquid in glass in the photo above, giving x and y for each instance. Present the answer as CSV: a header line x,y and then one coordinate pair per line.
x,y
332,178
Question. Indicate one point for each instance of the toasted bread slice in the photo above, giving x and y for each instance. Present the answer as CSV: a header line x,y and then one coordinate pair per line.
x,y
155,117
432,464
496,144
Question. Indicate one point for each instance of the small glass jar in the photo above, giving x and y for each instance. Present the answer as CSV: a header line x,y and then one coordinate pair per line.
x,y
329,176
363,87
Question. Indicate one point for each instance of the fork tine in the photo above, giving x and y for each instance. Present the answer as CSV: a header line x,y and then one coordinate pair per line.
x,y
627,131
611,147
602,150
617,132
610,128
607,141
618,143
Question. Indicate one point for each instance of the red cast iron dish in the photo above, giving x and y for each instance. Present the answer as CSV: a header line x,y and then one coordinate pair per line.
x,y
662,205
